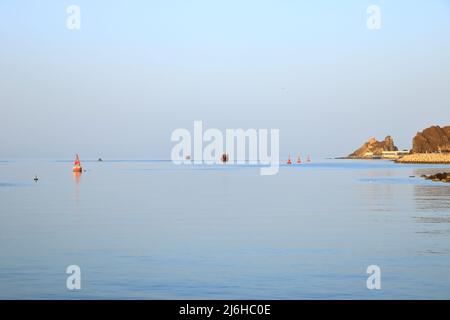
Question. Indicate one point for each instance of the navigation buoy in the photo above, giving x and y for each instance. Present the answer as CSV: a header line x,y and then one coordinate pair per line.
x,y
77,165
299,160
36,178
289,160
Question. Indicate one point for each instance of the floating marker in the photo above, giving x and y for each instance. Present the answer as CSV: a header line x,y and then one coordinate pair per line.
x,y
289,160
77,165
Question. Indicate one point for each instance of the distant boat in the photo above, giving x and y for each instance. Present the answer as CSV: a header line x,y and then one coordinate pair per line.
x,y
299,160
224,158
77,165
36,178
308,159
188,157
100,159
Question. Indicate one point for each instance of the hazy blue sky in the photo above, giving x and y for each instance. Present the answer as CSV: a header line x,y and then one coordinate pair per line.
x,y
137,70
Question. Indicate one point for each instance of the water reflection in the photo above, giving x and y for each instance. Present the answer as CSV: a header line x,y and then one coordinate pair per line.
x,y
432,198
77,178
376,196
433,204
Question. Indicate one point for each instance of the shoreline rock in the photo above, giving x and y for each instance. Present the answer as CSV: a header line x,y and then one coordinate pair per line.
x,y
438,177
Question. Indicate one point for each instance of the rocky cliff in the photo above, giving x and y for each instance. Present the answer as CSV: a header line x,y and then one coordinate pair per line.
x,y
374,147
432,139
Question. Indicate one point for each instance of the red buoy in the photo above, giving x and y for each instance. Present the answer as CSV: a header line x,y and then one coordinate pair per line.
x,y
77,165
289,160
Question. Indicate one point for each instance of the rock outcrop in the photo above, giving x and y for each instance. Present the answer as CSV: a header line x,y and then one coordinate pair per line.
x,y
374,148
432,139
441,177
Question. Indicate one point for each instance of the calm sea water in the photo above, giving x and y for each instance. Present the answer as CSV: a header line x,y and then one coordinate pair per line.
x,y
154,230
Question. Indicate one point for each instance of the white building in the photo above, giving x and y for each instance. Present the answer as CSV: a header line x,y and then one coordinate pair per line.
x,y
394,154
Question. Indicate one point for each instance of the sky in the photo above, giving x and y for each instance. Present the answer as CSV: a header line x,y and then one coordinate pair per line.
x,y
138,70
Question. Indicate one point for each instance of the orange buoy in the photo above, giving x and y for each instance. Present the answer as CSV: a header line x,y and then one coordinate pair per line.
x,y
299,160
289,160
77,165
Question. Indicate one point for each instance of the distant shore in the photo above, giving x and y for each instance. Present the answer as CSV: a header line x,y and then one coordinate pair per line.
x,y
437,158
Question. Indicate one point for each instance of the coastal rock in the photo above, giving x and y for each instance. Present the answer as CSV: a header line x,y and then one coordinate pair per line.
x,y
442,177
432,139
374,147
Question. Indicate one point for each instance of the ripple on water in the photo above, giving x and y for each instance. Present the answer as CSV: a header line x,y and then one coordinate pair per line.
x,y
13,184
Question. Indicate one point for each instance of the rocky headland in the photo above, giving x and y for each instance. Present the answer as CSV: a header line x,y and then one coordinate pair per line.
x,y
432,145
431,140
373,148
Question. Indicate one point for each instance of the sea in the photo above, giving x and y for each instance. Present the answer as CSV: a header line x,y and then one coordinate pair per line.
x,y
150,229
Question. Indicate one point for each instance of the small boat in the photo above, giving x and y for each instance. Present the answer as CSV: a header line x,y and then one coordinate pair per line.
x,y
100,159
299,160
289,161
77,165
308,159
224,158
188,157
36,178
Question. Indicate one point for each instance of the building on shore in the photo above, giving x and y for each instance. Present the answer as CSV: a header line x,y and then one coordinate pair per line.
x,y
394,154
397,154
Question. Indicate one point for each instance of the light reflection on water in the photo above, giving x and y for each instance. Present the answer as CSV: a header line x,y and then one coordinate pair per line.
x,y
150,229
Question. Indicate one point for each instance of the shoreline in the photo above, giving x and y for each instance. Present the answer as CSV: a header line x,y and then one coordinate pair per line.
x,y
415,158
430,158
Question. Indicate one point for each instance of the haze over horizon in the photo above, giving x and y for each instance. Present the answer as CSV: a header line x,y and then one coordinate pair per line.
x,y
137,71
